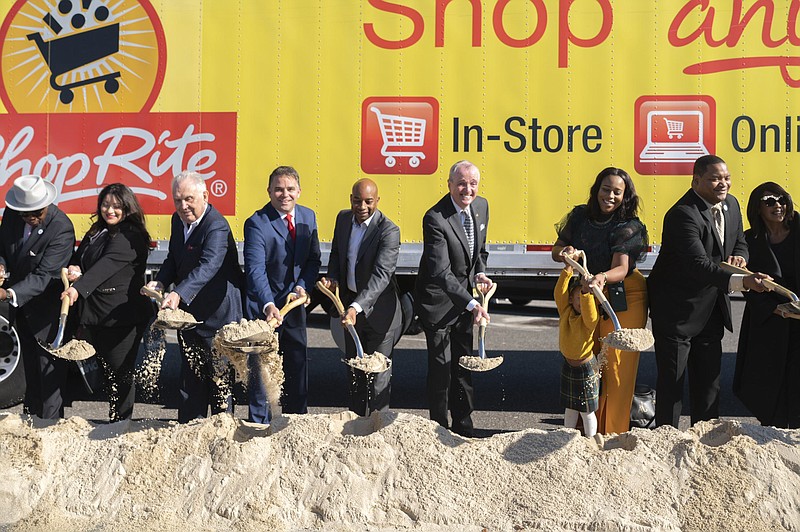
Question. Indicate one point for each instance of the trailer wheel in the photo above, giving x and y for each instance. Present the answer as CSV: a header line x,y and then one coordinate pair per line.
x,y
12,373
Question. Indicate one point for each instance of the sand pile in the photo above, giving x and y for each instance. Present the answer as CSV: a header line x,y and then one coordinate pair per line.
x,y
372,363
174,319
473,363
392,472
74,350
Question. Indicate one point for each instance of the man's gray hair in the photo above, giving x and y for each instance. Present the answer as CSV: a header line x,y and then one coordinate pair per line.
x,y
458,166
193,177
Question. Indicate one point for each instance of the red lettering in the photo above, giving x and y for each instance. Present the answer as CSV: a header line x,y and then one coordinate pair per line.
x,y
441,5
566,37
389,7
505,38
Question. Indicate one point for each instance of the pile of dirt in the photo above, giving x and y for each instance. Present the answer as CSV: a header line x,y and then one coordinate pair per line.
x,y
174,319
373,363
392,471
74,350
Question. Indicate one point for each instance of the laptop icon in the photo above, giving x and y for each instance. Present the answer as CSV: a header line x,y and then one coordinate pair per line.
x,y
674,136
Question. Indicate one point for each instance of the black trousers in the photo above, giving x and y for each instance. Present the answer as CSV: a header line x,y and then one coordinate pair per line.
x,y
450,385
701,355
117,348
370,392
205,379
45,375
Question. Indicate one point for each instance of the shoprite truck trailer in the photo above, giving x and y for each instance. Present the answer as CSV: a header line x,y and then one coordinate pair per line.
x,y
539,94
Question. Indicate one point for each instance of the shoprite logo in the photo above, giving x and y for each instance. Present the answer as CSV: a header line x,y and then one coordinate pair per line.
x,y
78,79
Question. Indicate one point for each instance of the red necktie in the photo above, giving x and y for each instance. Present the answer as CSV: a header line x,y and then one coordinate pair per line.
x,y
290,226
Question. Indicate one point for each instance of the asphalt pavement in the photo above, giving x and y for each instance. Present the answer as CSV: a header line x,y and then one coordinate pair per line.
x,y
523,392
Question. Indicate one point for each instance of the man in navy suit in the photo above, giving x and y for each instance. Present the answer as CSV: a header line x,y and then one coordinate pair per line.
x,y
363,260
282,260
453,263
688,291
36,241
203,264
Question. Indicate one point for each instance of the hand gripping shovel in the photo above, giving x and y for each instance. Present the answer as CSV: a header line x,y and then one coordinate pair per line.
x,y
622,339
371,363
74,349
481,362
789,310
168,318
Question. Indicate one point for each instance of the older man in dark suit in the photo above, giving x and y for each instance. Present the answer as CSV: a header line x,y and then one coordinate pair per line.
x,y
362,263
453,262
688,291
282,260
36,242
203,264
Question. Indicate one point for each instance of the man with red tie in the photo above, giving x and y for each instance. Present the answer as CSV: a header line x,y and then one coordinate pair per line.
x,y
281,257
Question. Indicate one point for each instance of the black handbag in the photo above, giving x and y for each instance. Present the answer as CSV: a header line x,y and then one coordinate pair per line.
x,y
643,407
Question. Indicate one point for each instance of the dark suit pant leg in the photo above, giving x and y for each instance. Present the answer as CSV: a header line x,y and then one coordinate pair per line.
x,y
370,392
293,345
32,403
198,389
705,364
672,355
449,385
258,406
45,374
117,348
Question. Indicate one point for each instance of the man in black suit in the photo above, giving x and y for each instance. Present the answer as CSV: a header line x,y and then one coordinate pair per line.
x,y
453,262
36,242
362,263
688,291
203,264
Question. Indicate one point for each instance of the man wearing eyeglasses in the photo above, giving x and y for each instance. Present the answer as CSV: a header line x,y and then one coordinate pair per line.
x,y
688,291
36,241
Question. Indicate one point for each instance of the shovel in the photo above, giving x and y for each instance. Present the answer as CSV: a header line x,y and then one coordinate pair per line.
x,y
372,363
481,362
169,324
794,304
74,349
622,339
255,343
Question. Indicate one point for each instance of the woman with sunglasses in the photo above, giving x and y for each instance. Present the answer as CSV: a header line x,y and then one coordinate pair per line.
x,y
767,376
107,271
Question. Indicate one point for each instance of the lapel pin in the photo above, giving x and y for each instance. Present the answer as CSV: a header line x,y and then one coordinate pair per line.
x,y
40,231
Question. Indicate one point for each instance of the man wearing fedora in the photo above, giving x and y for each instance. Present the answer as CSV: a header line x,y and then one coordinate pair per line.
x,y
36,241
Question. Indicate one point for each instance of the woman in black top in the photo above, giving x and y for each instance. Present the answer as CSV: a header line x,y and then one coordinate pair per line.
x,y
107,271
767,376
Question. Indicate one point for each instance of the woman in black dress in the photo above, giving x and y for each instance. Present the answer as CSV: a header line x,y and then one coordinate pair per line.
x,y
767,376
107,272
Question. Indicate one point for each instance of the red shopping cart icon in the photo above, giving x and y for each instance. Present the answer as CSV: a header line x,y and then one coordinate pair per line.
x,y
399,135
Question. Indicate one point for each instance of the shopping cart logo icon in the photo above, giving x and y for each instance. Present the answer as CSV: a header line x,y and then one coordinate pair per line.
x,y
671,132
73,56
399,135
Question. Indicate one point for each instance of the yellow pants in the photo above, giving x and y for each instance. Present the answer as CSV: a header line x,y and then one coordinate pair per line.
x,y
619,373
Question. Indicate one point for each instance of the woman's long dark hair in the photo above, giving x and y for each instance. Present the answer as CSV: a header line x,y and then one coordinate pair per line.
x,y
131,210
629,208
753,203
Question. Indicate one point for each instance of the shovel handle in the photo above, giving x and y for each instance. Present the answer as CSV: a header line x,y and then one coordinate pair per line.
x,y
155,294
333,297
601,297
290,304
772,285
484,298
65,301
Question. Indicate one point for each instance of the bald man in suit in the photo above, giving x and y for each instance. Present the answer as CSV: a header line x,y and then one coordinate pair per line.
x,y
453,263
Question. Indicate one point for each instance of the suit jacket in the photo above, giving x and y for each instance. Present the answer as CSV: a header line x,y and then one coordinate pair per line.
x,y
446,271
206,272
112,269
274,263
376,261
35,266
686,281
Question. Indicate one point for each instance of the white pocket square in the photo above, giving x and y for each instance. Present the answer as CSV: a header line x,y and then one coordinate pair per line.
x,y
31,254
483,226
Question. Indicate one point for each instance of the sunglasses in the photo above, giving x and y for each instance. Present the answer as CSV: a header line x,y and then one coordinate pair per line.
x,y
771,201
31,214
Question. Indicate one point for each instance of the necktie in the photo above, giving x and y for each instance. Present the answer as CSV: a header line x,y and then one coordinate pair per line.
x,y
468,229
290,226
27,232
719,222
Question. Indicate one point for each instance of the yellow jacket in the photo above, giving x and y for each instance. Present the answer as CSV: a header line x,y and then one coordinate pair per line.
x,y
576,331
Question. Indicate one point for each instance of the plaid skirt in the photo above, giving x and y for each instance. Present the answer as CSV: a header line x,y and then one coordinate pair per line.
x,y
580,386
